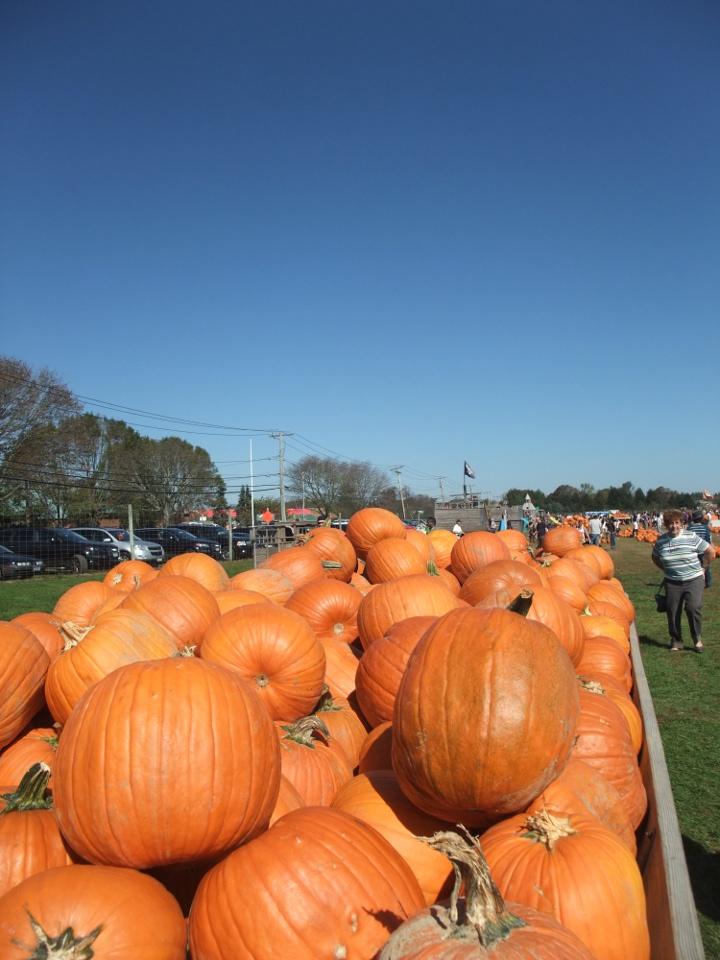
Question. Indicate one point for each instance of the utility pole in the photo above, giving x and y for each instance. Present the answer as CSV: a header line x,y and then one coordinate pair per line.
x,y
280,437
442,491
396,470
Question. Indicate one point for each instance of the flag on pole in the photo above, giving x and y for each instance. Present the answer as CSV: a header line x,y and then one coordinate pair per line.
x,y
468,471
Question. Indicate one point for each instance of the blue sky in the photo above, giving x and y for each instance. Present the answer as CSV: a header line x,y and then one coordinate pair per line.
x,y
405,232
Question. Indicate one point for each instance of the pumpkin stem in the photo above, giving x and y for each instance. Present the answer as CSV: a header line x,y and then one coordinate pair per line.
x,y
331,565
522,603
482,907
592,686
187,651
303,730
66,946
73,634
432,569
32,793
543,827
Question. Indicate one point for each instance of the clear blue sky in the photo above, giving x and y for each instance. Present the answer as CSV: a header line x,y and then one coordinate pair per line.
x,y
407,232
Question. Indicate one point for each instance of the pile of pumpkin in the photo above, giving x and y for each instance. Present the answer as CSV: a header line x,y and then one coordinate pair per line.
x,y
300,760
647,536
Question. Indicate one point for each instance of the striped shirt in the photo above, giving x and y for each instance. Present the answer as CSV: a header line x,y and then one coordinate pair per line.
x,y
701,529
680,555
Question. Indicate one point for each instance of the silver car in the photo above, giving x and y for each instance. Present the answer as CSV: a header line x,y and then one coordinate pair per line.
x,y
149,552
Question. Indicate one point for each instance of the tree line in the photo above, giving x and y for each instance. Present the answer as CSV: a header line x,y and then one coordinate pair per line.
x,y
627,497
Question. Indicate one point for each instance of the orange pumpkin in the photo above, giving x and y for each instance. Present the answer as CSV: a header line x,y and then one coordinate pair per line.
x,y
392,558
498,575
199,567
468,662
132,914
275,650
334,545
44,627
442,542
270,583
543,861
475,550
517,544
128,783
376,751
37,746
561,540
341,663
388,603
344,725
129,575
382,666
228,600
182,606
23,665
376,799
307,761
80,603
370,525
91,653
329,607
30,839
299,564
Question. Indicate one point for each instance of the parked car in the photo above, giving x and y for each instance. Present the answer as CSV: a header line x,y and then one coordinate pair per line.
x,y
175,541
14,565
59,548
242,545
121,539
157,553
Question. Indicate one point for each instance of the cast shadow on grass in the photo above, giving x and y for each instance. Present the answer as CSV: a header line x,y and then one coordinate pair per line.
x,y
704,869
646,641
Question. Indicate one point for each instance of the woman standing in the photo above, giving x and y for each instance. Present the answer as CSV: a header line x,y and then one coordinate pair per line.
x,y
682,556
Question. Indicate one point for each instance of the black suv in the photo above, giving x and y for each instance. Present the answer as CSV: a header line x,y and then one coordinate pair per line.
x,y
242,545
175,541
60,549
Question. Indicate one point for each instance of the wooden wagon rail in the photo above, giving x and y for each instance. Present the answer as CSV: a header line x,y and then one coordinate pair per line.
x,y
672,916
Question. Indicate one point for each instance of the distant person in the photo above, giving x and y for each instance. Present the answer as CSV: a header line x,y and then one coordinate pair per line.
x,y
457,529
492,525
699,525
612,530
431,523
682,556
503,522
540,530
595,531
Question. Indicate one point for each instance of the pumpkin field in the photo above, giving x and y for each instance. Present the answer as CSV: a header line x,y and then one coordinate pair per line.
x,y
305,758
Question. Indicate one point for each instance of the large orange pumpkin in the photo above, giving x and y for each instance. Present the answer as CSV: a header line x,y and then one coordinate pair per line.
x,y
23,665
392,558
129,575
382,666
329,607
91,911
376,799
91,653
499,575
38,745
475,550
44,627
517,544
341,663
577,870
300,565
275,650
442,542
581,789
334,545
228,600
370,525
350,889
376,751
30,839
182,606
560,540
192,770
485,716
270,583
80,603
312,766
199,567
480,925
387,603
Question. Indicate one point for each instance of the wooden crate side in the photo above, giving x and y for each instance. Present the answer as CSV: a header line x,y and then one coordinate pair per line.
x,y
672,916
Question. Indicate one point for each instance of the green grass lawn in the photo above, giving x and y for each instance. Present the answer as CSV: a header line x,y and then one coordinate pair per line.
x,y
685,689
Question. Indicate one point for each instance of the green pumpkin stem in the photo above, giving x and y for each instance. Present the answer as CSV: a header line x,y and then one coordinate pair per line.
x,y
326,703
32,793
303,730
66,946
482,907
432,569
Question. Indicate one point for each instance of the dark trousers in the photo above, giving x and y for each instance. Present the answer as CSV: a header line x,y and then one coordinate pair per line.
x,y
687,594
